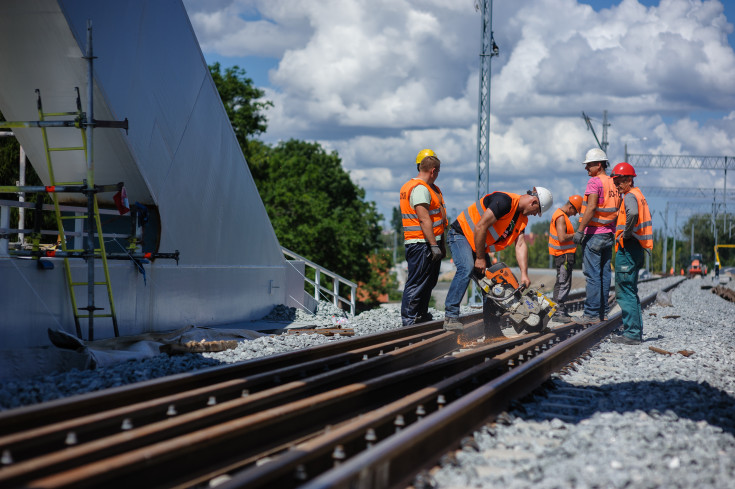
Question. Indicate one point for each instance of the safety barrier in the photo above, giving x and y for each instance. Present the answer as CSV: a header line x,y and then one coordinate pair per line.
x,y
336,281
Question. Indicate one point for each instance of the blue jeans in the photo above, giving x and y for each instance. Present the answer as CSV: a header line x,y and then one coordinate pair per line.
x,y
596,257
464,260
422,276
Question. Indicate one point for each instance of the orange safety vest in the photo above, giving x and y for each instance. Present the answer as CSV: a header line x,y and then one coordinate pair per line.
x,y
643,230
500,234
557,248
606,213
437,212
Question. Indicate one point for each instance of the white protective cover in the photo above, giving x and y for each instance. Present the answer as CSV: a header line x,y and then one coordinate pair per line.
x,y
180,155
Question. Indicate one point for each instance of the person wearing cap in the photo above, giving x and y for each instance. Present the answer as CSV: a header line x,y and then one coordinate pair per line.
x,y
633,238
596,234
424,218
492,223
562,248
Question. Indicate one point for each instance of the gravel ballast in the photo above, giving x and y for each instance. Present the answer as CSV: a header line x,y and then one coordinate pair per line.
x,y
641,419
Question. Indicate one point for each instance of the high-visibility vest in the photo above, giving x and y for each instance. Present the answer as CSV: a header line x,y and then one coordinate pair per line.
x,y
557,248
499,235
606,213
643,230
437,212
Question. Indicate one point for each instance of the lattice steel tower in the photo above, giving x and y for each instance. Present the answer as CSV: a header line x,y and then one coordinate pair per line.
x,y
488,50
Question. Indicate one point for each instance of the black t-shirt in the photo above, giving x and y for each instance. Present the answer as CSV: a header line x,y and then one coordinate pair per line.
x,y
500,203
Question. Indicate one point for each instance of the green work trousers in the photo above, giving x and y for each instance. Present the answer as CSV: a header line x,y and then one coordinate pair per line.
x,y
628,260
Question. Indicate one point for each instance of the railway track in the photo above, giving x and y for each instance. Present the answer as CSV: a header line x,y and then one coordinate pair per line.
x,y
354,413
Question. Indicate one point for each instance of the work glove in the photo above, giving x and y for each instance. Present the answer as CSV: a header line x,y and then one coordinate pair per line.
x,y
578,236
436,253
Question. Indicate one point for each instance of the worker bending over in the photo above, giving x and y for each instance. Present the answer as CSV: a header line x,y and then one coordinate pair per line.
x,y
490,224
562,248
633,237
424,221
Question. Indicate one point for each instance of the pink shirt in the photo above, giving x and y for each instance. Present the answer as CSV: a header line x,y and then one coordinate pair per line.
x,y
594,186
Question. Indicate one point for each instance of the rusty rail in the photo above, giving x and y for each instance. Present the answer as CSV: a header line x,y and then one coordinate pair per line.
x,y
394,461
371,406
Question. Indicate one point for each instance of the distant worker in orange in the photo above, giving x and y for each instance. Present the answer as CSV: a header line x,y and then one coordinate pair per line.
x,y
633,238
424,219
562,248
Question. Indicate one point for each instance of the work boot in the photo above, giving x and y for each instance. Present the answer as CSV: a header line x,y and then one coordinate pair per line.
x,y
452,323
624,340
584,320
424,318
562,317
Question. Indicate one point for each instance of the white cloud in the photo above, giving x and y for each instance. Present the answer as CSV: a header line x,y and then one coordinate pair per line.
x,y
378,80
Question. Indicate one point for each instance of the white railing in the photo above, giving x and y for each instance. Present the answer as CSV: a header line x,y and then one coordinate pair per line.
x,y
336,281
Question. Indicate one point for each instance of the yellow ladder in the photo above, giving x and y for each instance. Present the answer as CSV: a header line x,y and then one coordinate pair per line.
x,y
94,222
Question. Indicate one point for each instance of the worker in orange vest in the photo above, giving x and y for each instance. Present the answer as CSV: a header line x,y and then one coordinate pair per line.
x,y
633,238
596,234
424,221
562,248
492,223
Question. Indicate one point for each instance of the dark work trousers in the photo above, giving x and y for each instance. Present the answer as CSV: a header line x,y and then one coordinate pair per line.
x,y
422,277
628,260
564,265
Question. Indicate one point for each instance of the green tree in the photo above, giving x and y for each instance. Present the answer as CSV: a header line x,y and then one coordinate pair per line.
x,y
397,228
702,228
315,209
242,101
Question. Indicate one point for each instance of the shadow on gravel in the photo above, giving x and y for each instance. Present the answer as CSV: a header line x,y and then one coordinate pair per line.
x,y
682,398
653,338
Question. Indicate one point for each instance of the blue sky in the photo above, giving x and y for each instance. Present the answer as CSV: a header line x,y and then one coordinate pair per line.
x,y
378,80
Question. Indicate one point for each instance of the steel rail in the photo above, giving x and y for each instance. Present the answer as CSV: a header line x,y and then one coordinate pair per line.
x,y
223,412
204,449
316,455
55,436
24,418
394,461
207,437
207,453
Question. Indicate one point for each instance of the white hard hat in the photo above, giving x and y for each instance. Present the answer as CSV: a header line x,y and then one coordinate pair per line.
x,y
595,154
544,197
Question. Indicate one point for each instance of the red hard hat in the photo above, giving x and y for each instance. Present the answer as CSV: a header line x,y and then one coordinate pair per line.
x,y
623,170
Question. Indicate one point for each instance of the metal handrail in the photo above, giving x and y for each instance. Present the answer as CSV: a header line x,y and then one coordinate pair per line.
x,y
336,281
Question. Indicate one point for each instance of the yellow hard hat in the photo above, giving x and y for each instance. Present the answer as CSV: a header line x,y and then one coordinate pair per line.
x,y
423,154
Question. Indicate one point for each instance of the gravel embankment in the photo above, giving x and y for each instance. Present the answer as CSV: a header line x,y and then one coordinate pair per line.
x,y
643,419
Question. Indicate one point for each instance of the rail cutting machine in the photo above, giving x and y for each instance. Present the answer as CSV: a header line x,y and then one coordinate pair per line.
x,y
525,308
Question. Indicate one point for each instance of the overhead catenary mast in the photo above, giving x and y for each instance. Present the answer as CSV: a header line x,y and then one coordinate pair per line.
x,y
488,50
